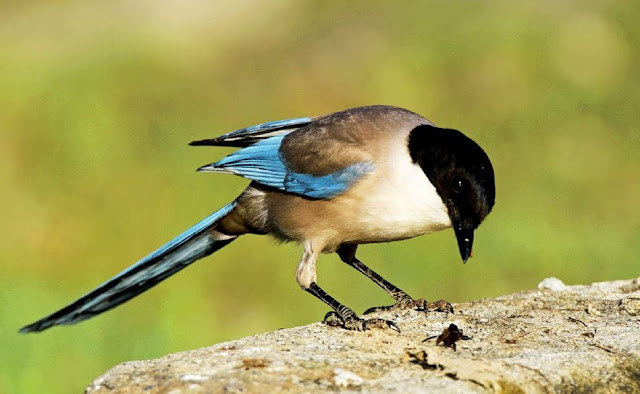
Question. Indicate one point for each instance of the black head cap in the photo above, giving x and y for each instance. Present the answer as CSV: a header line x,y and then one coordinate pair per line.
x,y
462,175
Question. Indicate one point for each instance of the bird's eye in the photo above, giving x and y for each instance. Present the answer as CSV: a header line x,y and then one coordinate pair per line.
x,y
458,186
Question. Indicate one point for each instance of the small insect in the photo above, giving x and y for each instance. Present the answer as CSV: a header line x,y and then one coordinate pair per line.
x,y
449,337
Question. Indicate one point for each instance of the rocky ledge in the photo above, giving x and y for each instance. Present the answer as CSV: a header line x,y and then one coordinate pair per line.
x,y
554,338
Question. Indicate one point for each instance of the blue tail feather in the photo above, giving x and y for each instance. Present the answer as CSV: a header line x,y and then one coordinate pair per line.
x,y
193,244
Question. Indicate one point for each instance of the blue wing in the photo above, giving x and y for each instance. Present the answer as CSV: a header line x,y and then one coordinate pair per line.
x,y
263,163
250,135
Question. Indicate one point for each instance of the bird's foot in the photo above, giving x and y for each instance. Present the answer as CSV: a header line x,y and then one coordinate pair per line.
x,y
354,323
405,301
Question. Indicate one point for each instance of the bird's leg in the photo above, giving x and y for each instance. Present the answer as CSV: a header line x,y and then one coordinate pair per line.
x,y
341,315
403,300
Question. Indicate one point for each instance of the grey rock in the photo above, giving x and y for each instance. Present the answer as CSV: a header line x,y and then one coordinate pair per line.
x,y
583,338
552,283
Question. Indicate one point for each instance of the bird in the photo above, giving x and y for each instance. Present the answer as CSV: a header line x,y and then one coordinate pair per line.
x,y
369,174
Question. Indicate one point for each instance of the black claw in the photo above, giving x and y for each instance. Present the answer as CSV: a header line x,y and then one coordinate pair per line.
x,y
393,326
332,319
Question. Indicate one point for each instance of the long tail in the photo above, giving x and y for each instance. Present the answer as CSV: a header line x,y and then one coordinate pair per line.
x,y
197,242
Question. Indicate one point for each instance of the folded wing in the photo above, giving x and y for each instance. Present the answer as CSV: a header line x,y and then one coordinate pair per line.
x,y
264,163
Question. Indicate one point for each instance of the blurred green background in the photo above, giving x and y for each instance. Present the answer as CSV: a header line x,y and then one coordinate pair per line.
x,y
98,101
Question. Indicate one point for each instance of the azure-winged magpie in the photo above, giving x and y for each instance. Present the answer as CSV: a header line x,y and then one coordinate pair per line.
x,y
330,183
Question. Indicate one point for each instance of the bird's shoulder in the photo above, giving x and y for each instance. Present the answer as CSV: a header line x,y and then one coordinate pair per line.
x,y
332,142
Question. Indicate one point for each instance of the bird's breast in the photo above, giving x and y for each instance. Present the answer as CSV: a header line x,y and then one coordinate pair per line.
x,y
395,201
398,202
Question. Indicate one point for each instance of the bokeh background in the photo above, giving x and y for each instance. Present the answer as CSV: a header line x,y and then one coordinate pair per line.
x,y
99,99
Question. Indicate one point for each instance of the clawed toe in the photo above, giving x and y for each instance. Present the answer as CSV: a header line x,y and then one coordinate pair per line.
x,y
354,323
380,309
380,323
358,324
440,306
332,319
420,305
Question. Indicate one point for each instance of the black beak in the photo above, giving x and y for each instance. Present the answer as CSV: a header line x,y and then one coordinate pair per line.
x,y
464,235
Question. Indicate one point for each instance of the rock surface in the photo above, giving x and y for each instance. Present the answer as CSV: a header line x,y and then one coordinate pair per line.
x,y
555,338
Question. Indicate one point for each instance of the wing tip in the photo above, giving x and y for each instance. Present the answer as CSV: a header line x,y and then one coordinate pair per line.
x,y
216,142
207,142
250,135
208,168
